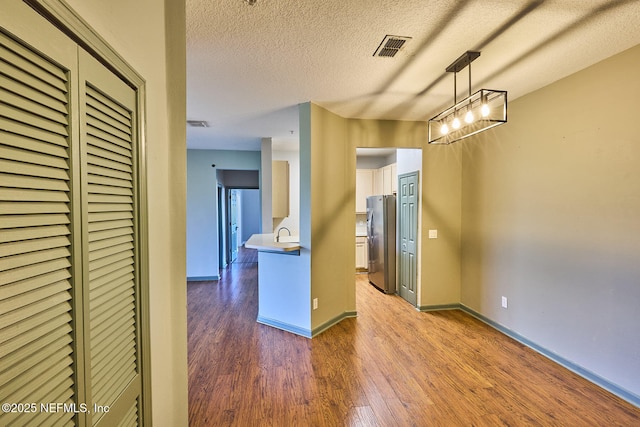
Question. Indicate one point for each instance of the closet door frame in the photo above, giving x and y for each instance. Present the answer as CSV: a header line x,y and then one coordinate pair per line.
x,y
77,29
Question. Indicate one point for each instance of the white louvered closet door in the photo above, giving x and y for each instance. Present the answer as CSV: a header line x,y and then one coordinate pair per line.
x,y
111,294
36,295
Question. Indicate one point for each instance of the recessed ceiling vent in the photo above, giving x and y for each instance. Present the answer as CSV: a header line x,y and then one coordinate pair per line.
x,y
198,123
391,45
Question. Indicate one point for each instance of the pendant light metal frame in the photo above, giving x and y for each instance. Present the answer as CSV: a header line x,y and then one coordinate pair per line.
x,y
486,108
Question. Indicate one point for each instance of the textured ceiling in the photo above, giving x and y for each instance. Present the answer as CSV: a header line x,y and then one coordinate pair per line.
x,y
249,66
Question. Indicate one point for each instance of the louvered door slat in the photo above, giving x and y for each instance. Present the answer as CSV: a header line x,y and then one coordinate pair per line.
x,y
105,180
98,282
101,296
33,107
107,234
25,208
41,307
116,224
36,356
34,259
122,149
28,143
18,234
98,100
33,58
108,119
109,154
107,361
15,221
14,86
124,203
124,248
58,388
32,119
17,358
29,182
25,156
21,168
99,244
111,343
34,328
109,164
21,194
102,171
41,376
33,282
107,189
118,322
97,134
23,62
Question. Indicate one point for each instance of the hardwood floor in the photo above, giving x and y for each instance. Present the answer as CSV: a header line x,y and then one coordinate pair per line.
x,y
429,369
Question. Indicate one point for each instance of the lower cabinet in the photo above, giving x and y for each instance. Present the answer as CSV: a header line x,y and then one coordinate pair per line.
x,y
362,254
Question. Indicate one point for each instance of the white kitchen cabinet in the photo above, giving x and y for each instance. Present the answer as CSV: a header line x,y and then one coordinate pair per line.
x,y
394,178
362,254
280,189
389,179
377,182
364,188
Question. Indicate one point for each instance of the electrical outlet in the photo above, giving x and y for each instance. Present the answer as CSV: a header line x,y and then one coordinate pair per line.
x,y
504,302
315,303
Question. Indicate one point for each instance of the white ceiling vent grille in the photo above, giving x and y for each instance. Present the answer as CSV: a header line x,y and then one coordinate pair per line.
x,y
391,45
198,123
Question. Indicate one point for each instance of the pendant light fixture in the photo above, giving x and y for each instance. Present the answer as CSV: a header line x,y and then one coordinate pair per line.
x,y
477,112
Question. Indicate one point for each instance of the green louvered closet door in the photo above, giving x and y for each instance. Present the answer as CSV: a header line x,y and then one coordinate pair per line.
x,y
108,209
36,295
69,246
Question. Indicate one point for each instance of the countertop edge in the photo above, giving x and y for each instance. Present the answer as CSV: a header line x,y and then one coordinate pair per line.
x,y
264,242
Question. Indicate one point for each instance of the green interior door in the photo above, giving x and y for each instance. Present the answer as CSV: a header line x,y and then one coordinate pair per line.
x,y
408,226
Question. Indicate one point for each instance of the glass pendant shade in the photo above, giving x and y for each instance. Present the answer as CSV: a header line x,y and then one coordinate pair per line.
x,y
484,109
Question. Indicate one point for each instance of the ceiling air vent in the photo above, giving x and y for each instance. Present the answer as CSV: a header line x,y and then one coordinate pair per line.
x,y
198,123
391,45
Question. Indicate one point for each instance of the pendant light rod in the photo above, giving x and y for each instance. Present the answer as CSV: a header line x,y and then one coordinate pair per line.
x,y
469,79
455,91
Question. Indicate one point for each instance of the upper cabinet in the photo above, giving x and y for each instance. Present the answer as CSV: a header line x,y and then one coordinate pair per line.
x,y
364,188
377,181
389,179
280,188
370,182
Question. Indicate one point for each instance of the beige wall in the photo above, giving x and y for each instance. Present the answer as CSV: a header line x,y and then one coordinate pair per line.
x,y
331,210
551,219
138,31
333,164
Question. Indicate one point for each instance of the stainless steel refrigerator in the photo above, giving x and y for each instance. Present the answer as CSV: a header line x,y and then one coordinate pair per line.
x,y
381,233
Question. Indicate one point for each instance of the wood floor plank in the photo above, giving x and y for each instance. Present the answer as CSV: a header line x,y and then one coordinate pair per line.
x,y
429,369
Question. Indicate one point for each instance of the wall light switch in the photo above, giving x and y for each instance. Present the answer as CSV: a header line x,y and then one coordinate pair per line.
x,y
315,303
504,302
433,234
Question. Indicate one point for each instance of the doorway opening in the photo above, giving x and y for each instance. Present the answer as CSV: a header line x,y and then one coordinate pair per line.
x,y
382,172
239,211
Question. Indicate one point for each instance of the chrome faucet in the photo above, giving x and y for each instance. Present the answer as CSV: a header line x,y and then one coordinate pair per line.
x,y
279,230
